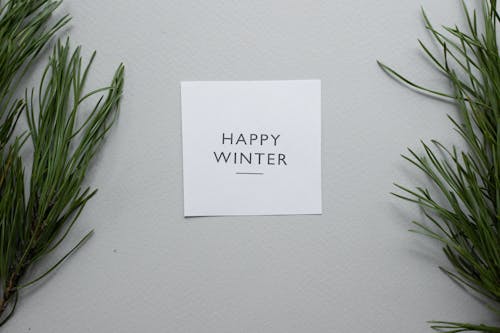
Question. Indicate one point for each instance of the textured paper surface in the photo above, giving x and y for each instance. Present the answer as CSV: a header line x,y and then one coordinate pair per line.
x,y
251,147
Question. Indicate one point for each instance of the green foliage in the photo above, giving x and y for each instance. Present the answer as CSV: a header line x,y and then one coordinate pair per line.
x,y
23,34
38,212
464,208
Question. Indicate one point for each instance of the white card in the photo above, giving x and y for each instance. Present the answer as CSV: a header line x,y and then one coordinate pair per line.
x,y
251,147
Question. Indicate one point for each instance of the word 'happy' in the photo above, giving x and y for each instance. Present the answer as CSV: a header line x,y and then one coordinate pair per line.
x,y
252,139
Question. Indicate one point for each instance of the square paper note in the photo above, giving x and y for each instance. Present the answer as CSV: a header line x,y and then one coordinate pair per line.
x,y
251,147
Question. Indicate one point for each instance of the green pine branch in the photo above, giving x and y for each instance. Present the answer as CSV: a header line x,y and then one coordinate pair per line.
x,y
38,211
464,212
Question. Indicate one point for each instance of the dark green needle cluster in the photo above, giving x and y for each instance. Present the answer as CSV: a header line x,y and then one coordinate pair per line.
x,y
38,210
463,205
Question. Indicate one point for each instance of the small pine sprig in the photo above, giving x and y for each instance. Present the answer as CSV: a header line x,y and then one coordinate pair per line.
x,y
34,226
38,211
464,212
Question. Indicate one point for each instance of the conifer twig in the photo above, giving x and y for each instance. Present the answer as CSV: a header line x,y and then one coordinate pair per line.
x,y
464,213
38,212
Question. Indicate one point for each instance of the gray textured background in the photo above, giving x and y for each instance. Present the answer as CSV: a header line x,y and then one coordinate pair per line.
x,y
353,269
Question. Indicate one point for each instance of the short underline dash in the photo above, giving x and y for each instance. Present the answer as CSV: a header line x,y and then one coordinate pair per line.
x,y
249,173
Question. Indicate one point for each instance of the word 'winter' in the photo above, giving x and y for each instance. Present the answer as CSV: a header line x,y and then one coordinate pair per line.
x,y
251,139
